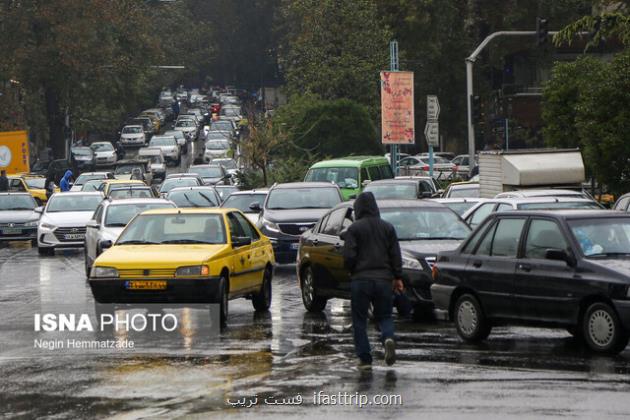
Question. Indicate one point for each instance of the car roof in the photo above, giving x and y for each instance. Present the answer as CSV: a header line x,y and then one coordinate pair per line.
x,y
465,184
569,213
95,173
458,200
394,204
295,185
396,181
193,188
15,193
251,192
124,201
123,181
543,192
189,210
209,165
133,125
350,161
67,193
547,199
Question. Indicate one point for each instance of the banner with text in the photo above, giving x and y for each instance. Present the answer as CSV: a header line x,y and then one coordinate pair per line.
x,y
397,107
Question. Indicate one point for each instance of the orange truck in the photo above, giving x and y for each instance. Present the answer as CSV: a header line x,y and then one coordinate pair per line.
x,y
14,154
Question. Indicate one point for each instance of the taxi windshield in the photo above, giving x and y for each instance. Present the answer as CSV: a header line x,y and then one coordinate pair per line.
x,y
155,229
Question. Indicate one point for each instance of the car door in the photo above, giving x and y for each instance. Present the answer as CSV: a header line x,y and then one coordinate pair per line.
x,y
491,268
312,249
330,250
241,277
544,289
257,257
92,233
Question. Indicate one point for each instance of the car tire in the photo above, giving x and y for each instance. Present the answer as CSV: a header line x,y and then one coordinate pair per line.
x,y
602,330
224,302
45,251
262,299
311,301
470,321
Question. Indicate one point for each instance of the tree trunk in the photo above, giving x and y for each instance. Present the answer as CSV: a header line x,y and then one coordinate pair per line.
x,y
56,124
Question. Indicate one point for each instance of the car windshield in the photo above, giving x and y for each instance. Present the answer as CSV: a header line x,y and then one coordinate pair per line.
x,y
174,229
83,178
119,215
221,126
226,163
230,112
154,159
224,192
559,205
243,201
185,123
17,202
303,198
82,151
127,169
206,171
92,185
464,193
39,183
460,208
343,177
193,198
102,147
162,141
169,184
132,130
217,145
393,191
420,223
73,202
599,237
131,193
217,135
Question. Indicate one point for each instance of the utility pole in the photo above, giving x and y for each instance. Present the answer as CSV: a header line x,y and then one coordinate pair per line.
x,y
393,66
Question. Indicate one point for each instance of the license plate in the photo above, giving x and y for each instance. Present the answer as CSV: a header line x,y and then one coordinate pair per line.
x,y
295,245
145,285
71,236
11,231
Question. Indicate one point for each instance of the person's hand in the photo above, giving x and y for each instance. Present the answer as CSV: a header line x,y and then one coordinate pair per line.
x,y
398,286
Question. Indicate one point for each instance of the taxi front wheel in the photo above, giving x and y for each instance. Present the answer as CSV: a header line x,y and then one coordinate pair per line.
x,y
262,299
223,293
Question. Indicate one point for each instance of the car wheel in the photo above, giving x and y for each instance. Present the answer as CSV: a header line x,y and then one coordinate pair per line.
x,y
262,299
312,302
603,332
470,321
223,293
45,251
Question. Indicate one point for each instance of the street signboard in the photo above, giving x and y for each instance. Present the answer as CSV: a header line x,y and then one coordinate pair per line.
x,y
433,107
397,108
432,133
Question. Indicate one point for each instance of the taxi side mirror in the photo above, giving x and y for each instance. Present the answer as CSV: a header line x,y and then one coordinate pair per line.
x,y
39,209
105,244
239,241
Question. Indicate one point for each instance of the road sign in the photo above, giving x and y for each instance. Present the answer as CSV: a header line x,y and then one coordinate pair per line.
x,y
432,133
397,107
433,107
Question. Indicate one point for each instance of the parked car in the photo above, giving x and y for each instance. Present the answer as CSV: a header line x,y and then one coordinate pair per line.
x,y
19,216
89,176
290,210
197,196
109,220
63,220
476,214
248,202
400,189
417,165
462,190
423,228
462,165
212,174
564,268
105,153
133,135
197,260
157,164
168,145
85,158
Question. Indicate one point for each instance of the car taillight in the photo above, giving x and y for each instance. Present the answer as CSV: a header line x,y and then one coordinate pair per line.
x,y
435,272
425,168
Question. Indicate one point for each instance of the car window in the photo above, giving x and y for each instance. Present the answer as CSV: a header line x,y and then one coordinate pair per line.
x,y
470,245
16,185
246,227
485,246
364,174
622,204
386,172
375,174
543,235
334,221
504,207
236,229
480,214
321,224
97,214
506,237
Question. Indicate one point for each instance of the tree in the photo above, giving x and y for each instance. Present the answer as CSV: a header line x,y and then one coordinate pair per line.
x,y
612,22
263,139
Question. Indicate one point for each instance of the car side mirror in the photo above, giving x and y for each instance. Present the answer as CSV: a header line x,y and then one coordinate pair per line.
x,y
255,206
239,241
105,244
365,182
39,209
560,255
92,224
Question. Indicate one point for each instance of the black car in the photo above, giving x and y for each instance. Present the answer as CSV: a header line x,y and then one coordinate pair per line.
x,y
290,210
564,268
19,216
211,174
423,228
400,189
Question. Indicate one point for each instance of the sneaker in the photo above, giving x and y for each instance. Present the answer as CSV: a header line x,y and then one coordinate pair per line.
x,y
364,365
390,351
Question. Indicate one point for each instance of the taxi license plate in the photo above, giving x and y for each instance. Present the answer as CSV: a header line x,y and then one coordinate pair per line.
x,y
71,236
11,231
295,245
145,285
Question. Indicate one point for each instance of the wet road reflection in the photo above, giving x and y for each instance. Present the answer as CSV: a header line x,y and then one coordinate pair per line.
x,y
518,372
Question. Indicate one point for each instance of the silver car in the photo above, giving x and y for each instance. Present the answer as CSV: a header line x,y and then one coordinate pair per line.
x,y
109,220
133,135
170,149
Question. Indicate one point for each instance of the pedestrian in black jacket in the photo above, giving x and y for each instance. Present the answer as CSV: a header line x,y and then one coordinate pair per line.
x,y
372,254
4,181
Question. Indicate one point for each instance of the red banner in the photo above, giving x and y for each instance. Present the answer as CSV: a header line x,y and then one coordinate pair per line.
x,y
397,109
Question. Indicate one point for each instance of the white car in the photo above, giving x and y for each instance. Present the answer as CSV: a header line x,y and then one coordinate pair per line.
x,y
168,145
89,176
179,136
104,153
216,149
133,135
246,202
157,164
63,220
188,126
109,220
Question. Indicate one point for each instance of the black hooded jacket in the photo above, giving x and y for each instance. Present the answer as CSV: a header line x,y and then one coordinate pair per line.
x,y
371,249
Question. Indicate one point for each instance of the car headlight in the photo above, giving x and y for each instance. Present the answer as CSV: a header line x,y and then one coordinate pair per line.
x,y
47,226
193,270
270,226
104,272
32,223
411,263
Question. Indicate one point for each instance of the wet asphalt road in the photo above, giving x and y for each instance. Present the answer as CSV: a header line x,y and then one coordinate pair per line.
x,y
517,373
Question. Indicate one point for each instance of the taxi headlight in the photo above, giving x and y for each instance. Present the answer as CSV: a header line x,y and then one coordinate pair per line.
x,y
411,263
193,270
104,272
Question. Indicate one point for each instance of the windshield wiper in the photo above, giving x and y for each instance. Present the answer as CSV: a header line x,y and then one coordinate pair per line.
x,y
138,242
190,201
610,254
207,199
116,225
185,241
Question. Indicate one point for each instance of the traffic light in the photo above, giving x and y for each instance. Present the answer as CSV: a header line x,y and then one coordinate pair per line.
x,y
475,108
541,31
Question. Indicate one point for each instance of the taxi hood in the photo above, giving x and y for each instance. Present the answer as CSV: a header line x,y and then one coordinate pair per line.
x,y
158,256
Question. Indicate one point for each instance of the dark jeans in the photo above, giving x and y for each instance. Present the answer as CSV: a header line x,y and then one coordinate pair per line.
x,y
379,294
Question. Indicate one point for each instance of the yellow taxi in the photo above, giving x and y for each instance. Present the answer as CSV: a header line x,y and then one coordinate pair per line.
x,y
109,184
34,185
186,256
